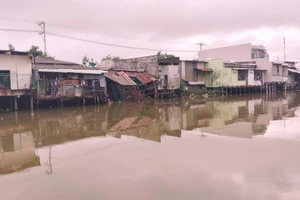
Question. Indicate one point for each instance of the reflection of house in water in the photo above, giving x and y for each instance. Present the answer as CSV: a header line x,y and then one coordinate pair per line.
x,y
17,152
170,118
141,127
237,117
196,115
144,121
70,125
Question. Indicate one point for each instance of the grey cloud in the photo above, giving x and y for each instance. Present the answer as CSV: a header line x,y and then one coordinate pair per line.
x,y
168,18
162,20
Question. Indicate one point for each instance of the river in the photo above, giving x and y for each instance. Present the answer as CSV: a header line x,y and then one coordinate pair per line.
x,y
239,147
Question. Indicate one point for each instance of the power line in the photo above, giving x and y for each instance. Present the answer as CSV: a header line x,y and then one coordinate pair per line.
x,y
17,19
19,30
113,45
99,32
121,35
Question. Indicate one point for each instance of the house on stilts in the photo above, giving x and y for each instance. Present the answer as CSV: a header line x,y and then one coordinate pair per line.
x,y
16,91
61,81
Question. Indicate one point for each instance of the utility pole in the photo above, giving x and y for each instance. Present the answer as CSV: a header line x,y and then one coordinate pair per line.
x,y
284,54
43,35
201,44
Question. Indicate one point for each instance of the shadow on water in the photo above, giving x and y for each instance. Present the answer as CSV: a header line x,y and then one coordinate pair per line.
x,y
22,133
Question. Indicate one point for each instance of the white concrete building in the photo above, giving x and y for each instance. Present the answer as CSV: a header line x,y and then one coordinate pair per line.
x,y
242,52
15,70
269,72
15,79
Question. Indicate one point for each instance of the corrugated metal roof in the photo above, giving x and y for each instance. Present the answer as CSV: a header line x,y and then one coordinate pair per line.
x,y
52,61
55,66
75,71
294,71
120,77
144,78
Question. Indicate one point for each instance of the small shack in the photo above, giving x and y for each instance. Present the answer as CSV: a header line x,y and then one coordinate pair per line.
x,y
61,80
120,87
165,71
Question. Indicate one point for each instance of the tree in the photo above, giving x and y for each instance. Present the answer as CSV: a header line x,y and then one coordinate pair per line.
x,y
161,55
108,57
11,47
36,52
88,62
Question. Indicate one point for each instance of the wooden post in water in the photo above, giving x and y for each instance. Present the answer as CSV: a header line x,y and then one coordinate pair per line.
x,y
31,102
15,103
10,103
26,103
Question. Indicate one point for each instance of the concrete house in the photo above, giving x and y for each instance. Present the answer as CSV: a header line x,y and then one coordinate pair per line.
x,y
193,73
166,71
61,80
226,74
15,79
293,74
242,52
274,74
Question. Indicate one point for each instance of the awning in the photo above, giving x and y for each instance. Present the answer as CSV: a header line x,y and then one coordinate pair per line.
x,y
241,68
73,71
260,70
294,71
204,70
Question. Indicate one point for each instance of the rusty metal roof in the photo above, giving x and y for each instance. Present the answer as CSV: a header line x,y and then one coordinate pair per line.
x,y
74,71
52,61
57,66
143,77
120,77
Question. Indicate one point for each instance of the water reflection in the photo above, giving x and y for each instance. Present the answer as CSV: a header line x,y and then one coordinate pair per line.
x,y
23,133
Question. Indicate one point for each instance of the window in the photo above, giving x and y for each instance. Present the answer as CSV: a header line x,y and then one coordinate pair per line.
x,y
242,75
166,80
4,79
276,71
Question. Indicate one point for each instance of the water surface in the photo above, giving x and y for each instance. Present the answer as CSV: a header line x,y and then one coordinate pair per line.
x,y
242,147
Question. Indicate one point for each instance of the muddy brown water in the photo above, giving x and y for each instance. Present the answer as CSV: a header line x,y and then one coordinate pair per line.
x,y
243,147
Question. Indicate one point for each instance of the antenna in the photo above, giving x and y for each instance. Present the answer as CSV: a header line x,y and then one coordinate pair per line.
x,y
284,54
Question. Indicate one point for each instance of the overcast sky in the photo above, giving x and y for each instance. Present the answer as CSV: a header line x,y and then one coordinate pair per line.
x,y
157,24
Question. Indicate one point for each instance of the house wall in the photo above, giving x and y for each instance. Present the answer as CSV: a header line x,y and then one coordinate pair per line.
x,y
238,53
189,71
265,64
172,71
252,81
20,69
276,77
148,64
100,77
291,79
221,76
